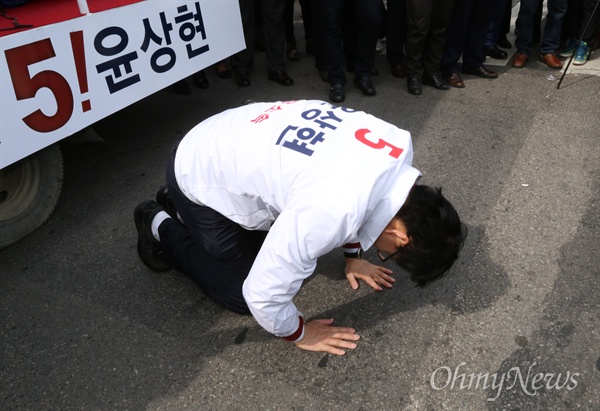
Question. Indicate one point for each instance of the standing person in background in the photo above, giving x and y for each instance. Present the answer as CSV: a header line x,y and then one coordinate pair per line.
x,y
396,36
495,28
551,38
274,36
465,37
591,19
505,27
290,38
369,28
426,25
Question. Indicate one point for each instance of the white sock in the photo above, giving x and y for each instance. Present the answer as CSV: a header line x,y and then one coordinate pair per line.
x,y
157,221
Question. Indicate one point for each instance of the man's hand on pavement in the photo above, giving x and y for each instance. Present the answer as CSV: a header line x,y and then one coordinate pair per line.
x,y
374,275
321,336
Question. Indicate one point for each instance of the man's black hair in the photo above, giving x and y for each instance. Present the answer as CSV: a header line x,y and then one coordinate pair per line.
x,y
435,231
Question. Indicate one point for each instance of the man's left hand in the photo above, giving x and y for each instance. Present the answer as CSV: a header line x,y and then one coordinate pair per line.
x,y
374,275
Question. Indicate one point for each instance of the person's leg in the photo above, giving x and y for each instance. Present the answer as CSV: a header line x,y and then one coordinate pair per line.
x,y
307,23
291,49
537,22
396,31
369,28
331,35
571,21
479,23
419,13
213,250
524,25
497,16
349,25
553,27
243,60
591,19
317,36
288,21
435,44
272,13
589,27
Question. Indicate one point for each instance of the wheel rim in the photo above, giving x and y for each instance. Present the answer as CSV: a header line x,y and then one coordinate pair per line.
x,y
19,185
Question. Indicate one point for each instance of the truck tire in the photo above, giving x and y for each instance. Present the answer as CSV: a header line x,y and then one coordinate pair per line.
x,y
29,191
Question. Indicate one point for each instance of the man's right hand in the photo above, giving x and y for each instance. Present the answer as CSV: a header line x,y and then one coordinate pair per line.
x,y
321,336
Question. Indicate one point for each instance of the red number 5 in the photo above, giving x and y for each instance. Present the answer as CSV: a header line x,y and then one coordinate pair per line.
x,y
18,59
361,136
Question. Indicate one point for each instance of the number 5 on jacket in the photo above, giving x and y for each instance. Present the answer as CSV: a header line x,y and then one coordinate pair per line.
x,y
361,136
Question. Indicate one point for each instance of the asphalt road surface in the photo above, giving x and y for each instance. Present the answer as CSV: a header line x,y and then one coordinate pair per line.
x,y
514,326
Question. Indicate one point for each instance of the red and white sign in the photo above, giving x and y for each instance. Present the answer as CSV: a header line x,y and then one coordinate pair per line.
x,y
59,78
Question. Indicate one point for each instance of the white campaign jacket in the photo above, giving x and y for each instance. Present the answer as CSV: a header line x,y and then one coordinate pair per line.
x,y
317,176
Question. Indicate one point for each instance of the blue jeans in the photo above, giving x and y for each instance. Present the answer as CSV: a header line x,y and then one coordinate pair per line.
x,y
497,11
554,19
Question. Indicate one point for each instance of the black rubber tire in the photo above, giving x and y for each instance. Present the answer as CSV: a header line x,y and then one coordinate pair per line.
x,y
29,191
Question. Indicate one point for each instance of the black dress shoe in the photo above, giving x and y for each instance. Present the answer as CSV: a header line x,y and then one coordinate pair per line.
x,y
435,81
181,87
413,83
337,93
496,53
503,42
480,72
200,79
365,85
281,77
242,79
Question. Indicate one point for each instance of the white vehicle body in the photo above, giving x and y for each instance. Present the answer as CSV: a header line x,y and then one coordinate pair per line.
x,y
60,78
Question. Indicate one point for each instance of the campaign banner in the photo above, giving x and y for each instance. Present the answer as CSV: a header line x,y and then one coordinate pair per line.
x,y
60,78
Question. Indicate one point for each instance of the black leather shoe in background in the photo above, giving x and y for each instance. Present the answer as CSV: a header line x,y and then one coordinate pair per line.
x,y
413,84
337,93
242,78
496,53
435,81
365,85
281,77
200,80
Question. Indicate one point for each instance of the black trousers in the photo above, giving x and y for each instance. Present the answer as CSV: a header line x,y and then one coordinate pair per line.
x,y
396,31
466,34
288,20
426,34
274,34
368,29
213,250
589,6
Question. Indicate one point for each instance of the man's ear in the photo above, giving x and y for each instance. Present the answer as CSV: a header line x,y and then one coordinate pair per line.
x,y
401,237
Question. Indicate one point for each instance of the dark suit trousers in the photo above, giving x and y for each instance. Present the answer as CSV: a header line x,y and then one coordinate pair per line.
x,y
274,34
368,13
466,35
213,250
426,34
396,31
